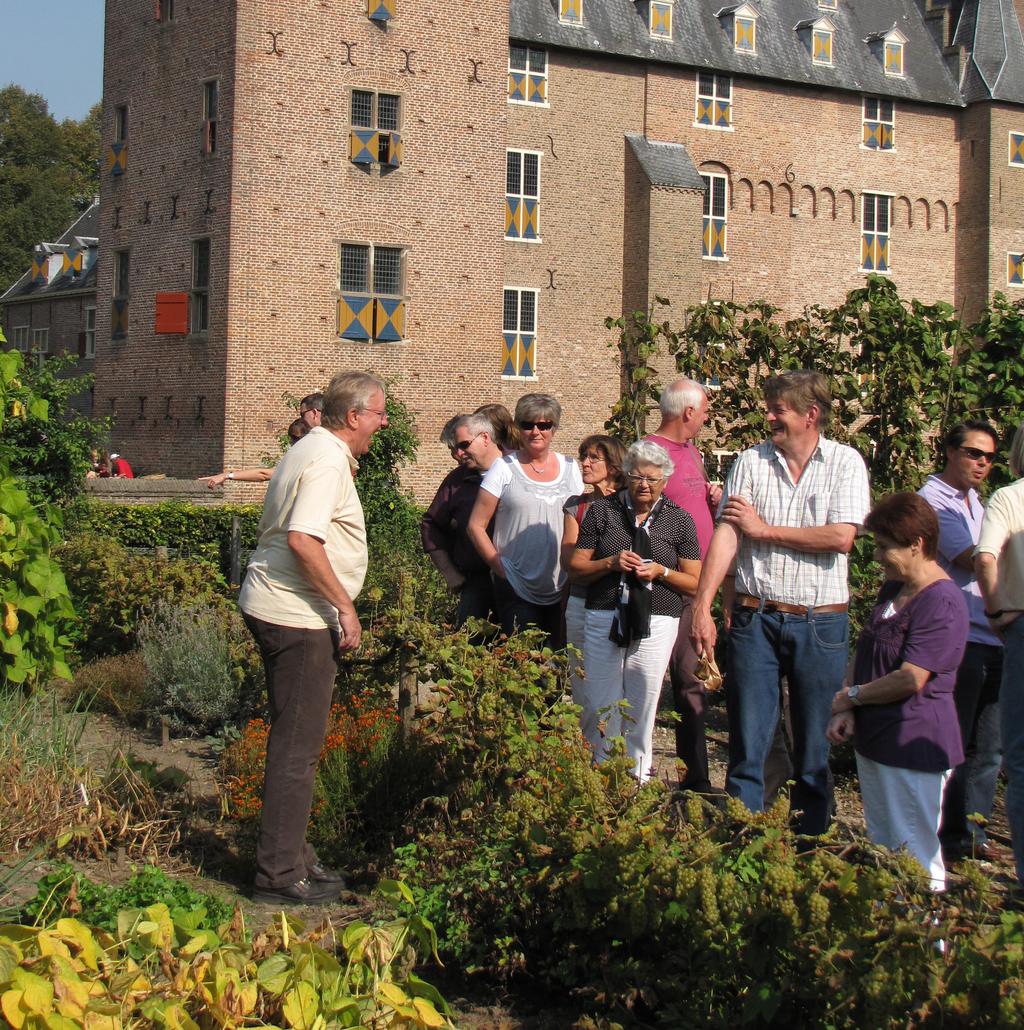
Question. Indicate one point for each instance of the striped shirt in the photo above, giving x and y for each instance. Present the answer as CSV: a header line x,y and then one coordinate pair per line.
x,y
833,488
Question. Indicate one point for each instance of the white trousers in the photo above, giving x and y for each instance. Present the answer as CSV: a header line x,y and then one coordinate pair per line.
x,y
902,808
632,674
575,615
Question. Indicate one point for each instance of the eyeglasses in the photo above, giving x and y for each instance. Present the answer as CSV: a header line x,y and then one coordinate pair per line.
x,y
979,455
373,411
592,458
650,480
464,445
543,426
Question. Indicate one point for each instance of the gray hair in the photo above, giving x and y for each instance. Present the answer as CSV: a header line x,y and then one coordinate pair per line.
x,y
348,390
643,452
476,423
538,407
680,395
1016,456
447,436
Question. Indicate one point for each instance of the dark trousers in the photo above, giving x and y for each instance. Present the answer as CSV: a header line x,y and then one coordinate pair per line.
x,y
690,703
476,598
515,613
976,691
300,665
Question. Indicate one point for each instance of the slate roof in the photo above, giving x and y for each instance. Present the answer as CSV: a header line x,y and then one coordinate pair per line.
x,y
701,41
990,32
87,226
665,164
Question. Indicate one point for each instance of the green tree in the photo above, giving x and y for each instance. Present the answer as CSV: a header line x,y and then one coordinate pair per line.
x,y
49,448
49,172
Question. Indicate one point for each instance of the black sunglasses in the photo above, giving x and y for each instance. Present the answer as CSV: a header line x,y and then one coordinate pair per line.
x,y
542,426
979,455
464,445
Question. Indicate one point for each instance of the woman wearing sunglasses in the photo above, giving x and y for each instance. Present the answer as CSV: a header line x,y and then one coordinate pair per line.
x,y
524,493
638,554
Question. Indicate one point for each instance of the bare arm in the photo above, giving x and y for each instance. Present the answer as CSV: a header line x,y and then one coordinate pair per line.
x,y
570,534
483,511
260,475
682,579
897,685
836,536
986,568
585,568
965,559
717,564
443,563
311,557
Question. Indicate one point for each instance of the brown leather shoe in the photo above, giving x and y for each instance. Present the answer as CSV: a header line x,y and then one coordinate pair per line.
x,y
319,873
305,892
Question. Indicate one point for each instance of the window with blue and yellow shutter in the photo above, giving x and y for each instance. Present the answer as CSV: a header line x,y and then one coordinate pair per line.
x,y
893,57
879,131
519,334
527,75
39,273
1017,149
374,137
371,305
716,187
72,261
117,158
381,11
745,35
821,46
1015,269
660,13
570,12
876,219
714,100
522,195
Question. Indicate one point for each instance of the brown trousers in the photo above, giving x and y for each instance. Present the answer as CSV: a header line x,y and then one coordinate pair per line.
x,y
300,665
691,704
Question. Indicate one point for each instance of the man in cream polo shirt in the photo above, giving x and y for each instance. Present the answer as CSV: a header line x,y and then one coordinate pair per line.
x,y
298,602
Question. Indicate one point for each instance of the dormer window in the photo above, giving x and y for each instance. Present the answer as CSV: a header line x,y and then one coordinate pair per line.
x,y
660,15
888,47
821,46
741,22
816,34
828,5
570,12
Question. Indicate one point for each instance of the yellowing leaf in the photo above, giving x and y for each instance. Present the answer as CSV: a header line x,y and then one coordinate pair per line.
x,y
102,1021
14,1012
10,621
300,1006
429,1016
80,936
176,1018
37,993
393,994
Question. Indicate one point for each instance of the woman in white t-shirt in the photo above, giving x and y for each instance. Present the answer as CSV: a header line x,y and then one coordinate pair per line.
x,y
524,493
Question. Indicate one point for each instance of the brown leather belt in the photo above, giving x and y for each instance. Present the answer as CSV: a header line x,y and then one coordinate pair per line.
x,y
749,601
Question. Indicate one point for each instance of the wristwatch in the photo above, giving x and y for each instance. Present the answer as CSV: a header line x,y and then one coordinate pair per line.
x,y
665,570
853,693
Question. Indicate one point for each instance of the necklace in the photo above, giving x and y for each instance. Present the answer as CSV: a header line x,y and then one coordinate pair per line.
x,y
543,468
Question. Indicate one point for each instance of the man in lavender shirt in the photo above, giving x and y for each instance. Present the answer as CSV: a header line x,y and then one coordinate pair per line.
x,y
684,410
953,494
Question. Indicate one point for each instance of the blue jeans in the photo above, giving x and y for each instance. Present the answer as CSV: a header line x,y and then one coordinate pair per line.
x,y
811,652
1011,707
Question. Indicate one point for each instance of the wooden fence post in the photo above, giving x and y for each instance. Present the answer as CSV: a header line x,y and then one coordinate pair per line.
x,y
235,553
408,689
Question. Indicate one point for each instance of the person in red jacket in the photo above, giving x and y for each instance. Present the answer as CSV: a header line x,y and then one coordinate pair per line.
x,y
119,467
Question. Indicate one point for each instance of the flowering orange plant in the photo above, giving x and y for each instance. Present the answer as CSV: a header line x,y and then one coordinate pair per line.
x,y
356,729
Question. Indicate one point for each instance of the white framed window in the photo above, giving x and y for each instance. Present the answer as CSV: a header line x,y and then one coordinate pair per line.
x,y
570,12
660,15
1016,143
527,75
828,5
371,302
199,295
522,195
716,206
714,101
20,338
893,57
90,333
519,333
1015,270
879,124
744,31
876,221
821,46
41,344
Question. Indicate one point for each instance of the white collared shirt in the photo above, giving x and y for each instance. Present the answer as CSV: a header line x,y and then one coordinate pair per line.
x,y
833,488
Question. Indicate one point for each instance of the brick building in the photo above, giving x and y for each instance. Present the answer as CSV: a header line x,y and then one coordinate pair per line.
x,y
51,309
456,196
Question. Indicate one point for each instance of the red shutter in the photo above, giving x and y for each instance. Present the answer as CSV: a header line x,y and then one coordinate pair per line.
x,y
172,313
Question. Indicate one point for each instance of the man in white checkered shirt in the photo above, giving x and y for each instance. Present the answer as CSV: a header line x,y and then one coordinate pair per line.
x,y
789,516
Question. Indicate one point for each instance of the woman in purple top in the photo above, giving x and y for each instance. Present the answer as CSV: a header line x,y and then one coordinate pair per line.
x,y
898,705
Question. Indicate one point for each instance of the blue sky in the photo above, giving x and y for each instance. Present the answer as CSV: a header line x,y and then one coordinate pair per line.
x,y
54,47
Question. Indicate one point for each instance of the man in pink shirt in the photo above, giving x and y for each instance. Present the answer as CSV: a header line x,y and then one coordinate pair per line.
x,y
684,410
